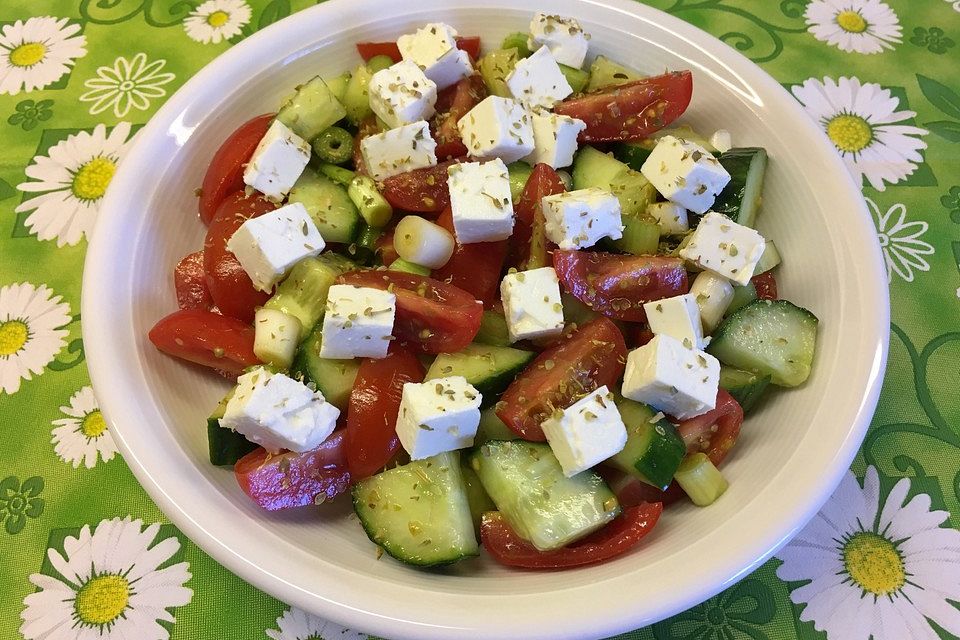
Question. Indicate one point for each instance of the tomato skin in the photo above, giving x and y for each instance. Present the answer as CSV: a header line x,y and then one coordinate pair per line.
x,y
230,286
434,316
631,491
475,267
371,437
543,181
198,336
698,432
291,479
633,110
618,537
386,249
452,104
766,286
592,356
618,285
367,50
190,283
225,173
470,44
422,190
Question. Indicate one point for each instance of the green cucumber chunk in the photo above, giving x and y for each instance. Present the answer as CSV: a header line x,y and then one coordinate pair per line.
x,y
745,387
769,259
491,428
328,204
700,480
356,97
576,78
226,446
338,85
303,293
604,72
519,172
740,199
490,369
654,449
312,109
742,296
333,378
494,69
493,330
518,41
379,63
477,496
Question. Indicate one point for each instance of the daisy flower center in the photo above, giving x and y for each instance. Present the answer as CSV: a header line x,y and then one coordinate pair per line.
x,y
13,336
874,563
101,600
91,180
849,132
218,18
93,425
851,21
28,54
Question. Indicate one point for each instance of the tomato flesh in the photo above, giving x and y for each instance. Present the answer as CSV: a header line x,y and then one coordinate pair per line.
x,y
452,104
422,190
716,431
766,286
367,50
206,338
528,244
386,249
225,173
631,491
190,283
475,267
592,356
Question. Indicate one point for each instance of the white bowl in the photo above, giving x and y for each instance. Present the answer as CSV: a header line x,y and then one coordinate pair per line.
x,y
791,454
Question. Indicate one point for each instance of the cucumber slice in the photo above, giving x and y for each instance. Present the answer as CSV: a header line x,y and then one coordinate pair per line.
x,y
654,449
311,110
700,480
490,369
519,172
333,378
330,208
493,330
419,512
604,72
477,496
379,63
745,387
594,168
226,446
542,505
740,199
769,259
576,78
742,296
409,267
303,293
491,428
518,41
768,337
356,97
494,69
338,85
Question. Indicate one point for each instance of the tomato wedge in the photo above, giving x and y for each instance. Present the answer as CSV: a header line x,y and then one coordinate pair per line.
x,y
716,431
452,104
229,285
206,338
372,412
388,252
766,286
367,50
633,110
476,267
436,316
618,537
592,356
292,479
190,283
631,491
529,246
422,190
618,285
225,172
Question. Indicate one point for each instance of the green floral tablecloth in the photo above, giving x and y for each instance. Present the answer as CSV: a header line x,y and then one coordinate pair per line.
x,y
85,554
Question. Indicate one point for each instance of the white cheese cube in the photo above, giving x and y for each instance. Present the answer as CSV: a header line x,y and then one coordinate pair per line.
x,y
554,139
480,201
677,317
531,303
587,432
724,247
278,412
268,245
497,128
433,48
563,36
721,140
713,294
671,378
537,82
438,416
402,94
357,323
578,219
277,162
399,150
685,173
671,217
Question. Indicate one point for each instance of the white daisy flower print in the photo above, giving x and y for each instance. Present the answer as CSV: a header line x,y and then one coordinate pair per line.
x,y
31,333
72,177
296,624
861,121
111,586
217,20
854,26
876,570
38,52
903,250
127,84
82,436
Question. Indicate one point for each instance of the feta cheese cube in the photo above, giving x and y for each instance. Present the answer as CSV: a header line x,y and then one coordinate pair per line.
x,y
713,294
438,416
531,303
563,36
480,201
537,82
671,217
497,128
357,322
278,412
433,48
721,140
677,317
277,162
587,432
399,150
671,378
685,173
402,94
578,219
554,139
724,247
268,245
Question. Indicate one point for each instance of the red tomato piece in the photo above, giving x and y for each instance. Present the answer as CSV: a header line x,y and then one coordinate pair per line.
x,y
372,412
716,431
367,50
637,334
592,356
633,110
631,491
529,243
190,283
388,253
766,286
423,190
618,285
291,479
452,104
230,286
436,316
206,338
475,267
618,537
225,172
